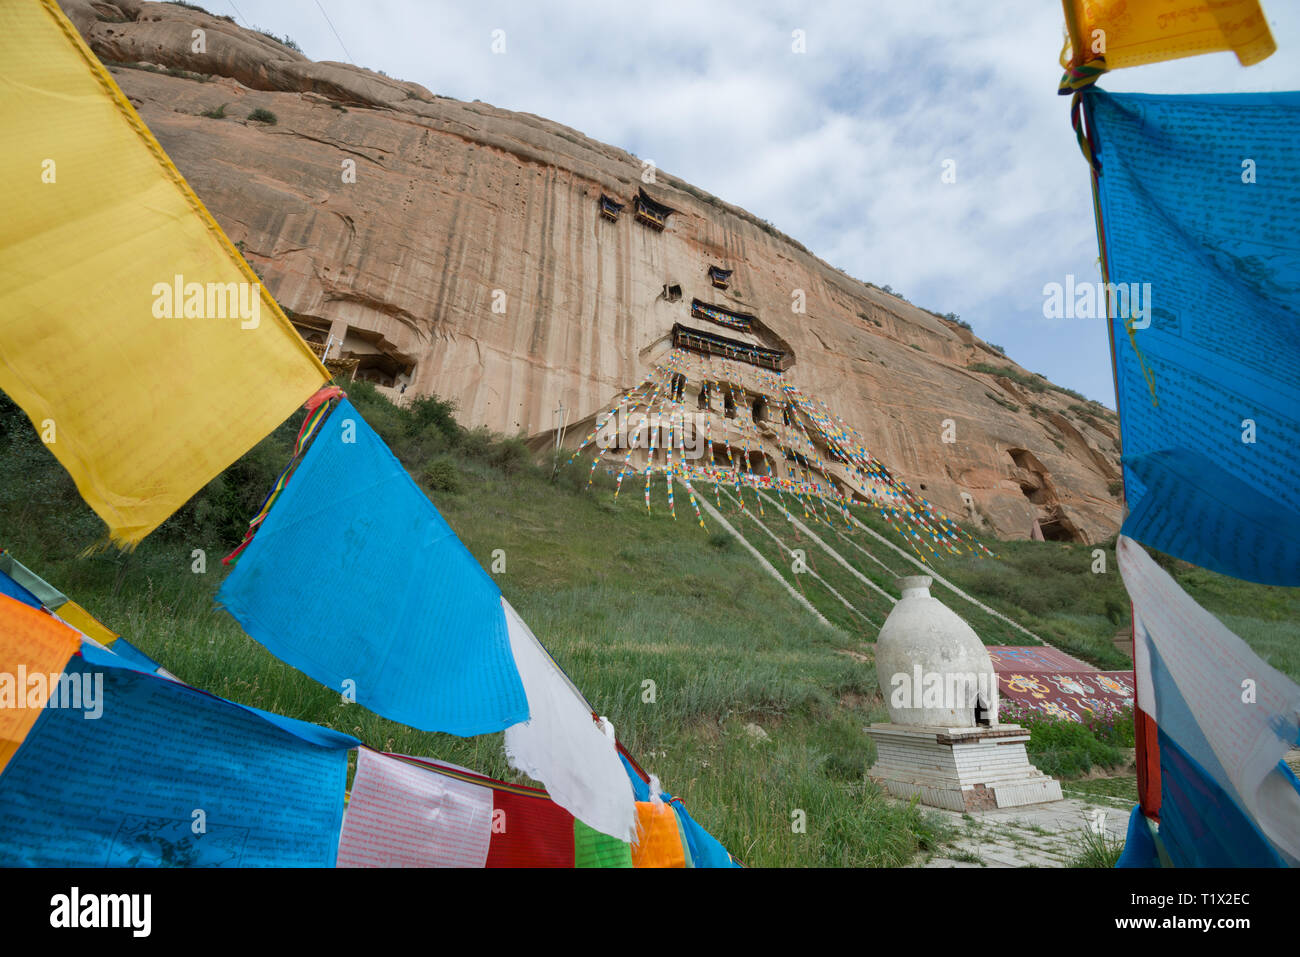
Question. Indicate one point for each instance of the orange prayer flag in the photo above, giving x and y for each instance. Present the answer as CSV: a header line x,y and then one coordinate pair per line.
x,y
31,644
660,841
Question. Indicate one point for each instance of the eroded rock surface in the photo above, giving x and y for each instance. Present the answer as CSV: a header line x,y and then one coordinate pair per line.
x,y
459,206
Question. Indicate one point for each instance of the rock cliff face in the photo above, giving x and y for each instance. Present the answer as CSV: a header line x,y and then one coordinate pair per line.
x,y
458,248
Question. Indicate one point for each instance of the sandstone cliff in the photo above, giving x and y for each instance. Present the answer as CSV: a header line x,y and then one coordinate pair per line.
x,y
457,207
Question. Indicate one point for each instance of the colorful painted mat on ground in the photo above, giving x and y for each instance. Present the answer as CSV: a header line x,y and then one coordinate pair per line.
x,y
132,333
1060,686
1034,658
355,579
1198,199
1073,696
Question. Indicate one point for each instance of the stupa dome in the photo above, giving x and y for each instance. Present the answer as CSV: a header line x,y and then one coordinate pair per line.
x,y
932,668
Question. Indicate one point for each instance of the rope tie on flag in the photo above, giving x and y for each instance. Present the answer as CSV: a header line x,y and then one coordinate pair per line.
x,y
1075,78
318,409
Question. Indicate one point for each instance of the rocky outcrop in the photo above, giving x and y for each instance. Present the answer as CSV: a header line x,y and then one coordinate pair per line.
x,y
458,248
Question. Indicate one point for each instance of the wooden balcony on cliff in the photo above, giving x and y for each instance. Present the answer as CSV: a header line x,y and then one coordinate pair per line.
x,y
654,215
697,340
723,317
609,209
721,278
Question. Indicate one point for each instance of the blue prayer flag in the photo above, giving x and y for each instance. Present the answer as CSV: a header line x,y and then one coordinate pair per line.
x,y
148,772
1199,199
355,579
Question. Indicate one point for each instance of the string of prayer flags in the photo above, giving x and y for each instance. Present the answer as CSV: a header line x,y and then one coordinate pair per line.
x,y
1197,201
20,582
143,348
410,812
1132,32
355,579
17,592
33,650
562,746
1226,718
137,770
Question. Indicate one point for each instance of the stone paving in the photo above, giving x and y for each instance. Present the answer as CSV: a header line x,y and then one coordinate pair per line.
x,y
1038,835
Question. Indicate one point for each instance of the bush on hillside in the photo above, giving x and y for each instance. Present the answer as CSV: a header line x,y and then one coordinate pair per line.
x,y
441,475
1070,749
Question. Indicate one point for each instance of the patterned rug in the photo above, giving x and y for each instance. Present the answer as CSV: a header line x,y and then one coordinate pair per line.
x,y
1058,685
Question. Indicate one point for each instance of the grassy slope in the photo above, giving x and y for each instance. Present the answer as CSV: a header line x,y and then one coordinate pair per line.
x,y
620,598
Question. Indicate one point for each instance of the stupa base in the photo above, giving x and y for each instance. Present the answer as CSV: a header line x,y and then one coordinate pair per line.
x,y
961,769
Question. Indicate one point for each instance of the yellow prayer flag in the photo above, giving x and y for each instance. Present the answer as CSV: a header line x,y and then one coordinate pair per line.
x,y
86,623
31,644
1133,32
141,345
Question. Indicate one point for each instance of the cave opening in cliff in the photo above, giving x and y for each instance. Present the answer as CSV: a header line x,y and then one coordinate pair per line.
x,y
609,209
705,401
760,409
654,215
721,278
672,292
1036,485
729,405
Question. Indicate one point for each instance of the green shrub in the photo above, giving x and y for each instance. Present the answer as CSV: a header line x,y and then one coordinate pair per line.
x,y
510,455
477,443
431,412
260,115
217,114
1068,749
441,475
1031,381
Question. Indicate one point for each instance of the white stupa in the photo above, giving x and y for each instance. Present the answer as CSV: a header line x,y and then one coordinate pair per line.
x,y
943,741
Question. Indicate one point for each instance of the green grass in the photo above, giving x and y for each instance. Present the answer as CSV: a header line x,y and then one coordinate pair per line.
x,y
1097,850
261,115
1117,791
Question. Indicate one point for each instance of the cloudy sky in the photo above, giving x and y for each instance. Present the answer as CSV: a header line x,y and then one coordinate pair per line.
x,y
842,146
